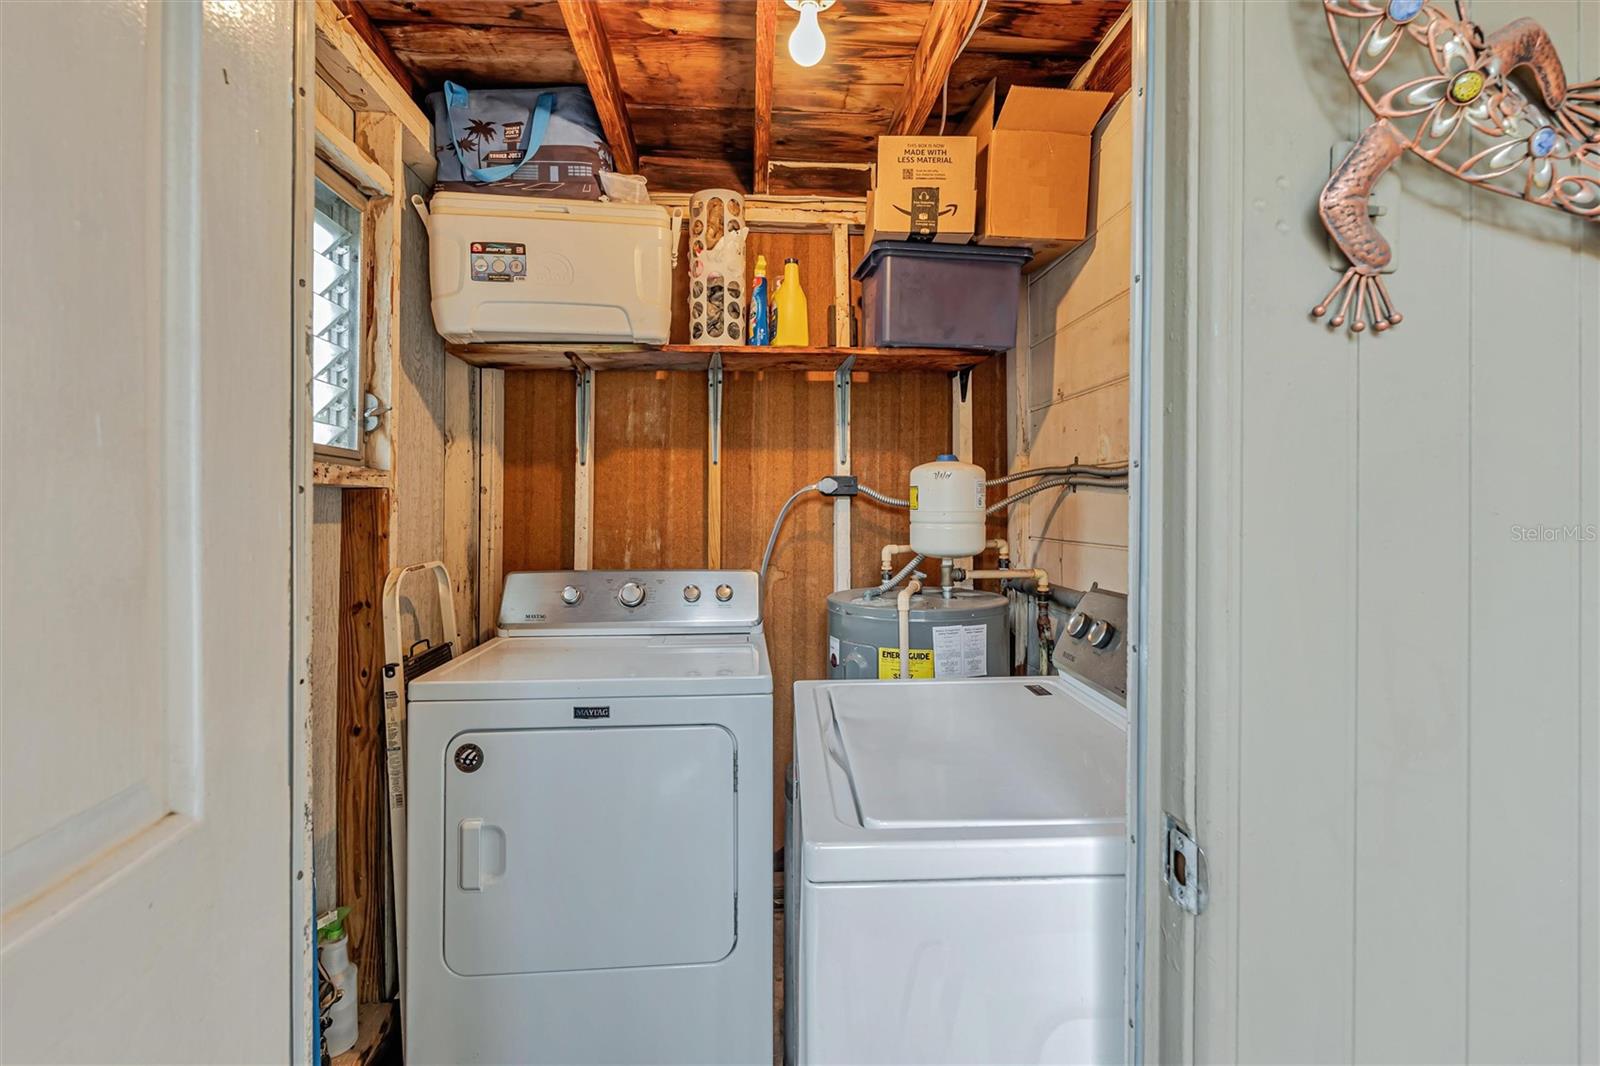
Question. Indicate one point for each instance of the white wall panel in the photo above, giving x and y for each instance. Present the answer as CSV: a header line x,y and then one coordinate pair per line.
x,y
1400,803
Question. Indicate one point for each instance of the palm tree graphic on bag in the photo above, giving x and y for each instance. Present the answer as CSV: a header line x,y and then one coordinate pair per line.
x,y
479,132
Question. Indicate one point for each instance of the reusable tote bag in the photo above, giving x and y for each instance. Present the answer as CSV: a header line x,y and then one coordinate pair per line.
x,y
528,142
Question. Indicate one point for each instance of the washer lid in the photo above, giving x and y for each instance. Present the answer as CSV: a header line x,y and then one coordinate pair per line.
x,y
560,667
969,779
938,757
1013,757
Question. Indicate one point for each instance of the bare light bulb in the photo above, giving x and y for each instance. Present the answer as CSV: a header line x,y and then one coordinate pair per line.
x,y
806,43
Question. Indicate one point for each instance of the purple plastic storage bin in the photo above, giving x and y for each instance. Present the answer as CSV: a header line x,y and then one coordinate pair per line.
x,y
916,295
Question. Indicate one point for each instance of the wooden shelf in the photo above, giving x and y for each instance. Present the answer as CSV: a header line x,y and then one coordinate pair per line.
x,y
517,356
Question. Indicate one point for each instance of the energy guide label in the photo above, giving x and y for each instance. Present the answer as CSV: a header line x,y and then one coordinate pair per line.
x,y
499,261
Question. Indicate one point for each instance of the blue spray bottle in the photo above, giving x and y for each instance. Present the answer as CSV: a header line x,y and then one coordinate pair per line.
x,y
760,332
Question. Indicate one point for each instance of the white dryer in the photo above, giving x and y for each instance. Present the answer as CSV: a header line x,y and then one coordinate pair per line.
x,y
956,880
590,828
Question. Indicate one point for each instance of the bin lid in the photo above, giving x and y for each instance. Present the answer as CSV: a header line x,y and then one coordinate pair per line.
x,y
955,253
502,205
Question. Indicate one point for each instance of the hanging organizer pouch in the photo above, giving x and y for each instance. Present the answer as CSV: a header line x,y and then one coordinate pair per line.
x,y
530,142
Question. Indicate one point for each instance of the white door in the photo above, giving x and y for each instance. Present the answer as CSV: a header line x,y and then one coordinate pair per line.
x,y
147,518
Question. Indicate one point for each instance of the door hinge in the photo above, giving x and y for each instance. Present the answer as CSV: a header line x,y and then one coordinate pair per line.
x,y
1186,868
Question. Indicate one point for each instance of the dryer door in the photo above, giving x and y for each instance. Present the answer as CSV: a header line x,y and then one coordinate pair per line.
x,y
589,848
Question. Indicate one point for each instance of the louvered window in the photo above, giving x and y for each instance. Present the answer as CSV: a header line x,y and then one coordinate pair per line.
x,y
336,381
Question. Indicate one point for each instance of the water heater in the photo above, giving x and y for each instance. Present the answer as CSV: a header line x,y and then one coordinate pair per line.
x,y
947,504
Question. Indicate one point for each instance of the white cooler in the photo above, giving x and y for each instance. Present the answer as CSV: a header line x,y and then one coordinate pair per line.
x,y
519,268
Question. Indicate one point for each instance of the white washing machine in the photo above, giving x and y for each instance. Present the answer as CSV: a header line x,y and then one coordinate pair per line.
x,y
590,828
956,884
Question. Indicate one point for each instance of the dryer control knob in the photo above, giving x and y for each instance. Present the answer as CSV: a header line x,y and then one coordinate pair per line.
x,y
1077,624
631,594
571,595
691,594
724,593
1100,633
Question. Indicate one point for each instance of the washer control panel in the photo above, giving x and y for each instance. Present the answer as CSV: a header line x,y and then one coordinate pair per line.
x,y
665,600
1092,643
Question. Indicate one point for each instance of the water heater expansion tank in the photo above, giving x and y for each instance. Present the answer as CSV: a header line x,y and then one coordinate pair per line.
x,y
947,502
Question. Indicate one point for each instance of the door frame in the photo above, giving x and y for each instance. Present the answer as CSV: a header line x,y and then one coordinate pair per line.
x,y
305,1021
1164,552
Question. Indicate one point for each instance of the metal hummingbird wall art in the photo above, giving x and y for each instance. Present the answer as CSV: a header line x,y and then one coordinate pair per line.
x,y
1537,137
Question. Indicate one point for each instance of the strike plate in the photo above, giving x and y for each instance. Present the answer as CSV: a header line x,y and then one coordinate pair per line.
x,y
1186,882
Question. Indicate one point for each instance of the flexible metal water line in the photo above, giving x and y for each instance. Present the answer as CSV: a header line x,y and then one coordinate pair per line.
x,y
1057,471
815,486
1074,481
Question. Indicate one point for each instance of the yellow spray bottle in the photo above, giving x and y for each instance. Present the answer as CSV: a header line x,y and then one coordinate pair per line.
x,y
789,305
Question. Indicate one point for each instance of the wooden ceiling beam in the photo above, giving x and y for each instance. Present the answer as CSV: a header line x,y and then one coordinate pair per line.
x,y
766,45
362,24
947,25
588,35
1110,68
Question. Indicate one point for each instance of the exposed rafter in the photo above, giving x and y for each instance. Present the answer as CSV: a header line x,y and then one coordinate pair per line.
x,y
947,25
588,35
766,43
362,24
1110,68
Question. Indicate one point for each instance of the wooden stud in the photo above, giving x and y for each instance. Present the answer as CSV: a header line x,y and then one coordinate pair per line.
x,y
947,25
583,473
344,156
348,64
1110,67
359,21
461,497
350,475
766,42
786,213
379,137
841,285
491,503
588,32
363,804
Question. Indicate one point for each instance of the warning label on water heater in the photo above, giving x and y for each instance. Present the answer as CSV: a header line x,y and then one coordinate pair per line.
x,y
960,651
889,663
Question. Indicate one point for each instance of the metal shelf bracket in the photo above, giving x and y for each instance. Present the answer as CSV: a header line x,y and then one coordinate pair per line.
x,y
585,408
714,405
841,414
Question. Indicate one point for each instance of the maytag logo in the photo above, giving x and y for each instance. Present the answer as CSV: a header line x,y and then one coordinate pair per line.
x,y
591,712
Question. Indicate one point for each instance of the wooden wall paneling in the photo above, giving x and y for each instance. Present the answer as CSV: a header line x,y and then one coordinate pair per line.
x,y
363,810
418,526
897,421
650,474
326,525
492,485
990,446
778,436
461,495
539,460
815,253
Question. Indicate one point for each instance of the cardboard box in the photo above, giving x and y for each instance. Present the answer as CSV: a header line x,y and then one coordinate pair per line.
x,y
1033,163
923,189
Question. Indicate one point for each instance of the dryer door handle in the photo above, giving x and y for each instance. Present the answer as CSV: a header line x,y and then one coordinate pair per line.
x,y
483,854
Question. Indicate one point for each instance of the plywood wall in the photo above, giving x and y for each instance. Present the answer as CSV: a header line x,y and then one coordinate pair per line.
x,y
1072,379
651,469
